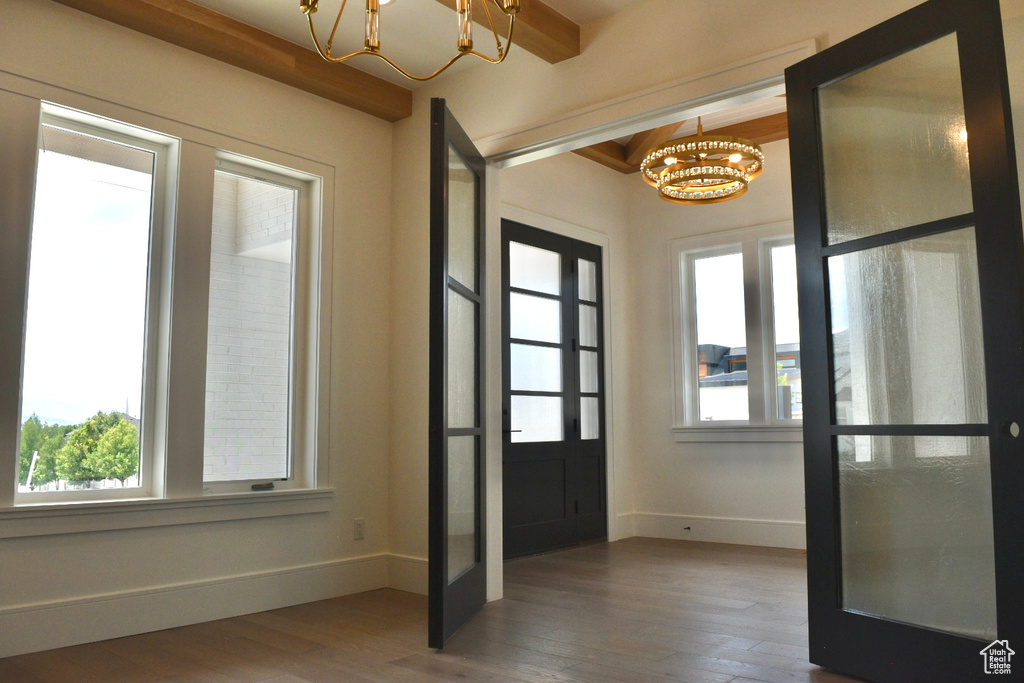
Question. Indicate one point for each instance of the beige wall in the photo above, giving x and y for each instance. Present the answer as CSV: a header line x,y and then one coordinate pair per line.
x,y
108,583
569,195
732,492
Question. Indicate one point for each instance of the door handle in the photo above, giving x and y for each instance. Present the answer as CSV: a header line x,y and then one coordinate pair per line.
x,y
510,431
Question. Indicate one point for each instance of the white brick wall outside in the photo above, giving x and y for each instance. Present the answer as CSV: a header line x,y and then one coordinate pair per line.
x,y
247,352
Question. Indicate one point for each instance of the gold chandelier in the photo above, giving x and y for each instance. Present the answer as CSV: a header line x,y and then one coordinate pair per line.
x,y
702,169
371,44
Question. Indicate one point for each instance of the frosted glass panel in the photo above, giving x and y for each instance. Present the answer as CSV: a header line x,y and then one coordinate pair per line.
x,y
588,325
916,524
588,372
588,280
906,333
462,215
462,485
895,123
534,268
537,418
535,318
462,344
590,418
535,368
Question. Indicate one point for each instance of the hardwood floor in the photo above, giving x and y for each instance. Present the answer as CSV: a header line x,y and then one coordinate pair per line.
x,y
631,611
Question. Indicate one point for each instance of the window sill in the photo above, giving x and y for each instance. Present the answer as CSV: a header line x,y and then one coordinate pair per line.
x,y
739,434
46,519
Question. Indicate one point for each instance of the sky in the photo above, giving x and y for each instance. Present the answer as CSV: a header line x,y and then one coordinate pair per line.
x,y
720,304
87,290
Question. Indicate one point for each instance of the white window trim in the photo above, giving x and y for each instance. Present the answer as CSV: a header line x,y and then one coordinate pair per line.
x,y
181,487
302,379
164,149
763,426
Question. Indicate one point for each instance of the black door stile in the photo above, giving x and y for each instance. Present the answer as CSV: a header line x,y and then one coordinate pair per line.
x,y
842,639
453,600
554,490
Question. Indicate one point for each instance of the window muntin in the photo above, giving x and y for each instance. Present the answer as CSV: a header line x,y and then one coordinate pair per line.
x,y
89,328
725,290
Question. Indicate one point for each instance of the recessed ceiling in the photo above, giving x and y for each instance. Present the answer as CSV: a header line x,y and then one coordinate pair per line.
x,y
418,34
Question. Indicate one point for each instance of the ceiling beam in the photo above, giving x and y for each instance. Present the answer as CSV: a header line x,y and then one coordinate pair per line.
x,y
626,158
639,144
771,128
608,153
540,30
204,31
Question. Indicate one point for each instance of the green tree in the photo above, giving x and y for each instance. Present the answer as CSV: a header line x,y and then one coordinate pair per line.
x,y
117,453
780,376
71,458
31,442
46,439
53,439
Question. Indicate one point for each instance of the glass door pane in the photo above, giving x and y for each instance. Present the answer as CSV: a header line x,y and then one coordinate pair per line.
x,y
898,123
462,243
915,509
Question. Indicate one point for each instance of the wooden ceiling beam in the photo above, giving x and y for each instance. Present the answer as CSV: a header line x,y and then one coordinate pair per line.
x,y
540,30
204,31
608,153
771,128
626,158
639,144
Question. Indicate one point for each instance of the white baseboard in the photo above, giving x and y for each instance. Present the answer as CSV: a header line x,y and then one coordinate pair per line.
x,y
761,532
625,526
60,623
407,573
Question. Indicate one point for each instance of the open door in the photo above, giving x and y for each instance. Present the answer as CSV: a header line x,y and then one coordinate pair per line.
x,y
457,570
909,250
553,445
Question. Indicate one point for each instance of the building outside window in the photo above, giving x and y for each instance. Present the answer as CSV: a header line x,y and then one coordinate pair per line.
x,y
737,331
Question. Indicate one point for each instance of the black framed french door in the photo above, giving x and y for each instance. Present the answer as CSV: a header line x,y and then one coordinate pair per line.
x,y
457,553
909,254
553,445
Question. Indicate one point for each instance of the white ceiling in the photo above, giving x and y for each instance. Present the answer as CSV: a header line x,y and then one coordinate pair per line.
x,y
418,34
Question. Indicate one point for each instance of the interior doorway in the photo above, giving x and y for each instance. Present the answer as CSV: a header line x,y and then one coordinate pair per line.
x,y
553,392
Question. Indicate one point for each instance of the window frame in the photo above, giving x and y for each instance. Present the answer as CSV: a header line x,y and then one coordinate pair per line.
x,y
177,494
763,425
164,148
303,310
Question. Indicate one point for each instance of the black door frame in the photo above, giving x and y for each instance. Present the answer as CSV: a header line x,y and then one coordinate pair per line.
x,y
450,605
578,524
854,643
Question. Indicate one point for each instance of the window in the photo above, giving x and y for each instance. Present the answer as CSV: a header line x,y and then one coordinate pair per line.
x,y
85,411
250,358
738,342
113,384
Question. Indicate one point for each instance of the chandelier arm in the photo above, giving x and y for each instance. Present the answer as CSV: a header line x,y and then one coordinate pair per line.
x,y
490,22
325,51
316,41
337,21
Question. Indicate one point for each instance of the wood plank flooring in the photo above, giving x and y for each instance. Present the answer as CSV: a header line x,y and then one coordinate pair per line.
x,y
633,611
